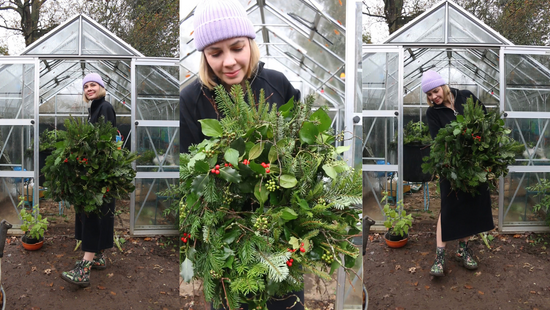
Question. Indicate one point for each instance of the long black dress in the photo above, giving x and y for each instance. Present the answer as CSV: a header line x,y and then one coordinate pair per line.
x,y
462,215
96,232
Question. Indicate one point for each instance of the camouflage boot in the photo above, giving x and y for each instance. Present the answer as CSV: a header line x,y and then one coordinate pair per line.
x,y
439,263
80,275
465,257
99,261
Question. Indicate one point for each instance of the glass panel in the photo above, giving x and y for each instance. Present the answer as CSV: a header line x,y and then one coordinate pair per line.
x,y
158,149
10,191
519,199
63,42
157,93
534,133
96,42
374,184
379,136
16,152
430,29
150,204
527,80
17,91
380,81
464,30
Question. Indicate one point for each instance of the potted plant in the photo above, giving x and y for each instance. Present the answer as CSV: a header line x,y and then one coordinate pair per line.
x,y
416,145
34,227
398,224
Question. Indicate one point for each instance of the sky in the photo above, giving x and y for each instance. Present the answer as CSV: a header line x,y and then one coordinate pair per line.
x,y
13,39
378,30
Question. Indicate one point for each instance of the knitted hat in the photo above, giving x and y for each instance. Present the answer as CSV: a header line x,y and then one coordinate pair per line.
x,y
93,77
431,80
218,20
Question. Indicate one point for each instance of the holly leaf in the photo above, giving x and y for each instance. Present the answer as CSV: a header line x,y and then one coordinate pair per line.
x,y
199,183
294,242
232,156
201,166
256,151
187,272
230,175
261,193
211,127
308,133
288,181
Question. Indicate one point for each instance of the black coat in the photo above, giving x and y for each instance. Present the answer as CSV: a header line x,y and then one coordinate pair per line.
x,y
96,232
196,102
462,215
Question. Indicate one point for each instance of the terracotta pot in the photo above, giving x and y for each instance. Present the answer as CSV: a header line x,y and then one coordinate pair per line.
x,y
32,246
395,244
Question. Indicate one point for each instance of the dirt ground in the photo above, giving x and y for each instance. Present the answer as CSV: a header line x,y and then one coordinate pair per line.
x,y
143,276
513,274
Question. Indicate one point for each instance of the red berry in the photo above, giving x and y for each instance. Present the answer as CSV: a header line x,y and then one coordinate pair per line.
x,y
267,171
230,165
302,249
263,165
292,260
184,240
213,170
226,164
217,172
185,235
267,164
217,166
289,264
302,244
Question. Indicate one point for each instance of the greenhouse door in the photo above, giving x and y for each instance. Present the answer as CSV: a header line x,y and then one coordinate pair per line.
x,y
525,101
382,139
155,138
18,113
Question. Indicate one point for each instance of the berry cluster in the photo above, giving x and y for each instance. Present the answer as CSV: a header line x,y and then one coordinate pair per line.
x,y
246,161
185,237
302,249
266,166
272,185
228,165
214,274
321,201
261,223
230,135
227,196
327,258
209,153
216,170
289,262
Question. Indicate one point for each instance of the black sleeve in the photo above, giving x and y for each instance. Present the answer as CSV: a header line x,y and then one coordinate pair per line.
x,y
190,129
433,122
291,91
108,112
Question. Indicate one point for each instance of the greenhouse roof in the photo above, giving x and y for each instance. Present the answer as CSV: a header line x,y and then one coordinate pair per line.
x,y
306,37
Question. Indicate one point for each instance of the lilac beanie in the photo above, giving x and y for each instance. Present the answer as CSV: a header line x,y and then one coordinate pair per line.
x,y
93,77
218,20
431,80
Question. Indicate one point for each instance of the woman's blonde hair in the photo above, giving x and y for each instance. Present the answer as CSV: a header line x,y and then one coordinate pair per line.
x,y
446,95
208,77
100,94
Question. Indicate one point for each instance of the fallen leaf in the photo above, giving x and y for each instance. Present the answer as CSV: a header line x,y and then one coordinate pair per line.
x,y
478,273
412,269
48,271
468,286
424,253
517,236
427,287
61,288
113,293
481,293
162,292
532,292
415,283
101,287
397,267
33,268
59,255
109,275
147,239
454,288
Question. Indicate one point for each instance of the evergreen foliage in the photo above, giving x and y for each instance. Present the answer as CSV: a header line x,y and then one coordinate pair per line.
x,y
474,149
264,199
88,168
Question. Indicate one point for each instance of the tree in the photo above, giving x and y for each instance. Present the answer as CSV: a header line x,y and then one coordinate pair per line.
x,y
32,18
395,13
4,50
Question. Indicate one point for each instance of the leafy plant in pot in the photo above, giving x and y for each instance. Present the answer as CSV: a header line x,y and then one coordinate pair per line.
x,y
34,227
398,224
416,145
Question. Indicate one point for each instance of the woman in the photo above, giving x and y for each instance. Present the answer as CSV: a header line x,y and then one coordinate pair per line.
x,y
462,215
230,56
96,232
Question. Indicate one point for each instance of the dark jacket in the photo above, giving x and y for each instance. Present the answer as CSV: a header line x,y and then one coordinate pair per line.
x,y
196,102
462,214
101,107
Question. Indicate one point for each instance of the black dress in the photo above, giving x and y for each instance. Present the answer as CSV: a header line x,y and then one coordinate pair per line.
x,y
462,214
96,232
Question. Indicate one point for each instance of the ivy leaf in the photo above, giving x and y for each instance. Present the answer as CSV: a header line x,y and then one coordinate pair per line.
x,y
256,151
187,272
322,117
261,193
308,133
199,183
288,181
211,127
232,156
230,175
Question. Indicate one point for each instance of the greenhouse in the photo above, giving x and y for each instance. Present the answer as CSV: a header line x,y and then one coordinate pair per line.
x,y
43,86
313,44
514,80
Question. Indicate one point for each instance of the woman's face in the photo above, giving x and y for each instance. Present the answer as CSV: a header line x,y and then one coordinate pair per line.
x,y
91,89
229,59
436,95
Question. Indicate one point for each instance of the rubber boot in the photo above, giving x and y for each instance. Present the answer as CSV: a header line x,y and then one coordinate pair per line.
x,y
80,275
465,257
439,263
